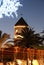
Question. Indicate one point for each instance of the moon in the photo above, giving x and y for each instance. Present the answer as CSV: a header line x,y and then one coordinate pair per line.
x,y
7,7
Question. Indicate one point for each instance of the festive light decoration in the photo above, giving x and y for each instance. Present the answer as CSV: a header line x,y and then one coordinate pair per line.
x,y
8,7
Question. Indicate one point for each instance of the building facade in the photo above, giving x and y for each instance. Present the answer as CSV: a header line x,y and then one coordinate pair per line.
x,y
34,56
21,56
21,24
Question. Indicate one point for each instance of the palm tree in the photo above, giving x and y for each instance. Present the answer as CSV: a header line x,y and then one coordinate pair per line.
x,y
42,35
3,38
30,38
0,33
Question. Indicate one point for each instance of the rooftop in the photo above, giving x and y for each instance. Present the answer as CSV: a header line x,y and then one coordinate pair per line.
x,y
21,21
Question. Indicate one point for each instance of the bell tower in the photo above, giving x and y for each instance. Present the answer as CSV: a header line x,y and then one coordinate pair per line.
x,y
18,27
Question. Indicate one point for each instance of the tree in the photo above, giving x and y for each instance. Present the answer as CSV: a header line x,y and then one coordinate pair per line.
x,y
5,57
3,38
0,33
42,35
30,38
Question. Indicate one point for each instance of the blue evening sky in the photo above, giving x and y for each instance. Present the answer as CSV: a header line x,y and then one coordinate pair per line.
x,y
33,13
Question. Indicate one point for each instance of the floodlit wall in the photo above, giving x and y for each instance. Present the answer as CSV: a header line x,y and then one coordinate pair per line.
x,y
32,56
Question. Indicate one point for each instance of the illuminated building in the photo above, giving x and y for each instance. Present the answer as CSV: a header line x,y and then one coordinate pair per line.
x,y
23,56
26,54
18,27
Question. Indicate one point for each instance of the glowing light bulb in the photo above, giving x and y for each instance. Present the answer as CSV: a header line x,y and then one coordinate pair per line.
x,y
19,62
35,62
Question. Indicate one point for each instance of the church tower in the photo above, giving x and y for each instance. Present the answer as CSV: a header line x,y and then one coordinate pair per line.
x,y
18,27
